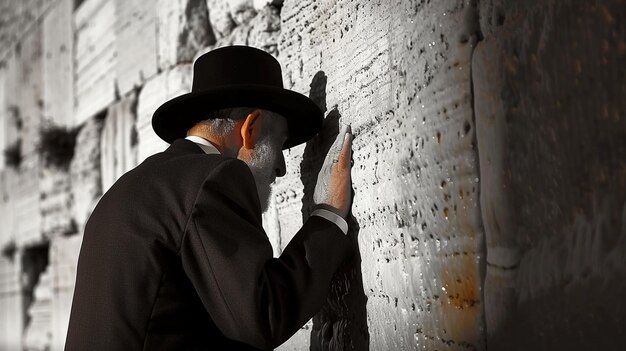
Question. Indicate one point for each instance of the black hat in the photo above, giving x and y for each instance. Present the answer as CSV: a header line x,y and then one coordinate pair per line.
x,y
237,76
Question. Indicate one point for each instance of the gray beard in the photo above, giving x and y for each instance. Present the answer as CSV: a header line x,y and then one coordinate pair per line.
x,y
261,168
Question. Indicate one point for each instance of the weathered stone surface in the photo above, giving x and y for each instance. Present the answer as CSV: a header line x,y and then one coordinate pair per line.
x,y
261,31
549,87
36,292
220,18
38,332
58,64
55,202
8,181
265,30
11,302
183,29
136,43
63,259
259,27
16,17
28,110
260,4
4,111
9,134
11,299
241,11
545,84
30,90
27,203
96,58
399,73
9,111
158,90
85,171
119,141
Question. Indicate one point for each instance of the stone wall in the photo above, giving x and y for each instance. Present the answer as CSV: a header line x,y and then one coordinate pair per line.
x,y
401,77
549,96
489,195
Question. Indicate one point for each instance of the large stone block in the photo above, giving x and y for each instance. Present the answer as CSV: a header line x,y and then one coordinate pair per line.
x,y
265,32
549,86
27,204
11,302
28,112
136,42
183,29
225,15
10,119
63,261
399,73
220,18
241,11
16,16
282,224
58,63
119,141
95,58
158,90
38,332
85,171
260,4
8,180
55,202
4,111
261,30
30,89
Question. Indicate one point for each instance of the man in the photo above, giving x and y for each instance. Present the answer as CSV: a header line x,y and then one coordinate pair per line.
x,y
174,256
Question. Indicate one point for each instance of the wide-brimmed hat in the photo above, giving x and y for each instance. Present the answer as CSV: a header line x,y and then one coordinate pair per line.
x,y
238,76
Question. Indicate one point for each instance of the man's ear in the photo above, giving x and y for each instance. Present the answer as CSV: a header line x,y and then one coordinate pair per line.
x,y
251,129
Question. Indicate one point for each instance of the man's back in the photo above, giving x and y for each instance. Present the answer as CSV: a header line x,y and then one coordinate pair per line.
x,y
174,257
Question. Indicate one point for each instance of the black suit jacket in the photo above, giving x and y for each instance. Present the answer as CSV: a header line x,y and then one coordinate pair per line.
x,y
174,257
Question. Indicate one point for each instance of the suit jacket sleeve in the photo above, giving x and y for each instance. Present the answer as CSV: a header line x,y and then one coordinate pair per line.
x,y
251,296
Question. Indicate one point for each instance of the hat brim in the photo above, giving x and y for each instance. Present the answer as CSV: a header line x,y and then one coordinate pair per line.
x,y
304,118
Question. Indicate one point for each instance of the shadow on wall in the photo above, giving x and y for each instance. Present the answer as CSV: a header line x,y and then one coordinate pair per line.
x,y
341,324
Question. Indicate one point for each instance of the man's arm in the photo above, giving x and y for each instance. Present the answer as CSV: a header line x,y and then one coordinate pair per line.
x,y
251,296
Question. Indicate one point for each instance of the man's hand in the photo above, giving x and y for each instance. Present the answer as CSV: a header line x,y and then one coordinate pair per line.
x,y
334,184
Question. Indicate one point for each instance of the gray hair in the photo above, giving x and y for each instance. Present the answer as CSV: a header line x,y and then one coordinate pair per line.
x,y
222,122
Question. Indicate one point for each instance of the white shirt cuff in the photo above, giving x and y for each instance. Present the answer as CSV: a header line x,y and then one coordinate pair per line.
x,y
333,217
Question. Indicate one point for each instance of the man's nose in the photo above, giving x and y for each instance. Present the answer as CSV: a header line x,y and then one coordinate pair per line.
x,y
281,168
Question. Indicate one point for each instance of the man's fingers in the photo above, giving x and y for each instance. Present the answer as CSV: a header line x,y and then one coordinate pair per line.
x,y
338,144
346,150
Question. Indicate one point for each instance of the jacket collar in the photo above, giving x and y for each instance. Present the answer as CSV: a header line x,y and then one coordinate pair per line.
x,y
184,146
204,144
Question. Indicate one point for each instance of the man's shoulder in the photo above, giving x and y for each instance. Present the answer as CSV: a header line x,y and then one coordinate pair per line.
x,y
181,156
182,162
173,168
